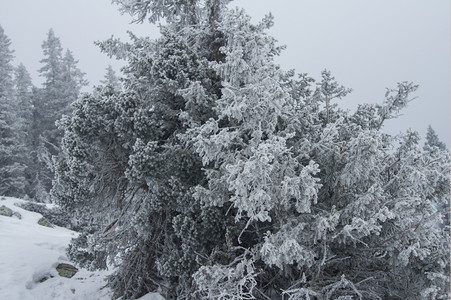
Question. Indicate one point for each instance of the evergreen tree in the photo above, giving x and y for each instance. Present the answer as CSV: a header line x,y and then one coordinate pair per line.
x,y
6,67
432,140
214,174
130,135
11,169
24,93
23,89
436,148
182,12
111,79
62,86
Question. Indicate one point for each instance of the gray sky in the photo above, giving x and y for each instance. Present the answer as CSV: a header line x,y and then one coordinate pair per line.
x,y
368,45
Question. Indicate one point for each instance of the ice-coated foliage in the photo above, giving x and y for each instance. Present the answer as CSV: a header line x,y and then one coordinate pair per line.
x,y
177,12
234,281
214,174
172,10
127,174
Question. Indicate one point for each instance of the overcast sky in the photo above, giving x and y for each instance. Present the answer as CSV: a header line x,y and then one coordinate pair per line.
x,y
367,44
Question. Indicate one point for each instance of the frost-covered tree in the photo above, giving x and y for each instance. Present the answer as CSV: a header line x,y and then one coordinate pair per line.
x,y
327,90
72,81
183,11
122,153
436,148
331,208
432,140
6,67
62,85
214,174
111,79
23,92
12,181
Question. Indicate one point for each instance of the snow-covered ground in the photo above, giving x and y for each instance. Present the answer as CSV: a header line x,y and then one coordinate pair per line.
x,y
30,252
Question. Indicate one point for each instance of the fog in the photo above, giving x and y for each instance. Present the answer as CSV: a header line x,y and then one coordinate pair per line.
x,y
368,45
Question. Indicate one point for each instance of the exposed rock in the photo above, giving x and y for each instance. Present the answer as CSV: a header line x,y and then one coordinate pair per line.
x,y
55,215
66,270
5,211
44,222
45,277
17,215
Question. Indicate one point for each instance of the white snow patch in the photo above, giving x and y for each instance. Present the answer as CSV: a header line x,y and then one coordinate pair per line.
x,y
30,252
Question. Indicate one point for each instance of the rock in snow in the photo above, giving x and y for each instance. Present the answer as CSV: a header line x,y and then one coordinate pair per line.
x,y
5,211
66,270
30,255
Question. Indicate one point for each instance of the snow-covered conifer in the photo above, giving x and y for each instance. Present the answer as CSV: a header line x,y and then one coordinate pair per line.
x,y
214,174
12,181
111,79
23,93
432,140
62,85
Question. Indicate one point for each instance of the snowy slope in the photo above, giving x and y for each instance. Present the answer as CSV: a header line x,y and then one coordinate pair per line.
x,y
29,252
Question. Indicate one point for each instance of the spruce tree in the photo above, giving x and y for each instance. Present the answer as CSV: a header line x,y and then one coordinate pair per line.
x,y
23,87
62,85
11,168
23,90
111,80
432,140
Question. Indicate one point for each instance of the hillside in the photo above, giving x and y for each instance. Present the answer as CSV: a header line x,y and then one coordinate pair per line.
x,y
30,253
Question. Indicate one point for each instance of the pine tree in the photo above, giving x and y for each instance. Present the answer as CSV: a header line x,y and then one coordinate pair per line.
x,y
72,81
23,89
181,12
6,67
214,174
111,79
432,140
11,169
435,149
62,86
24,93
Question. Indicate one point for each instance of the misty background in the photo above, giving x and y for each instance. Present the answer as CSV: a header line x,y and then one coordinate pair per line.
x,y
367,45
